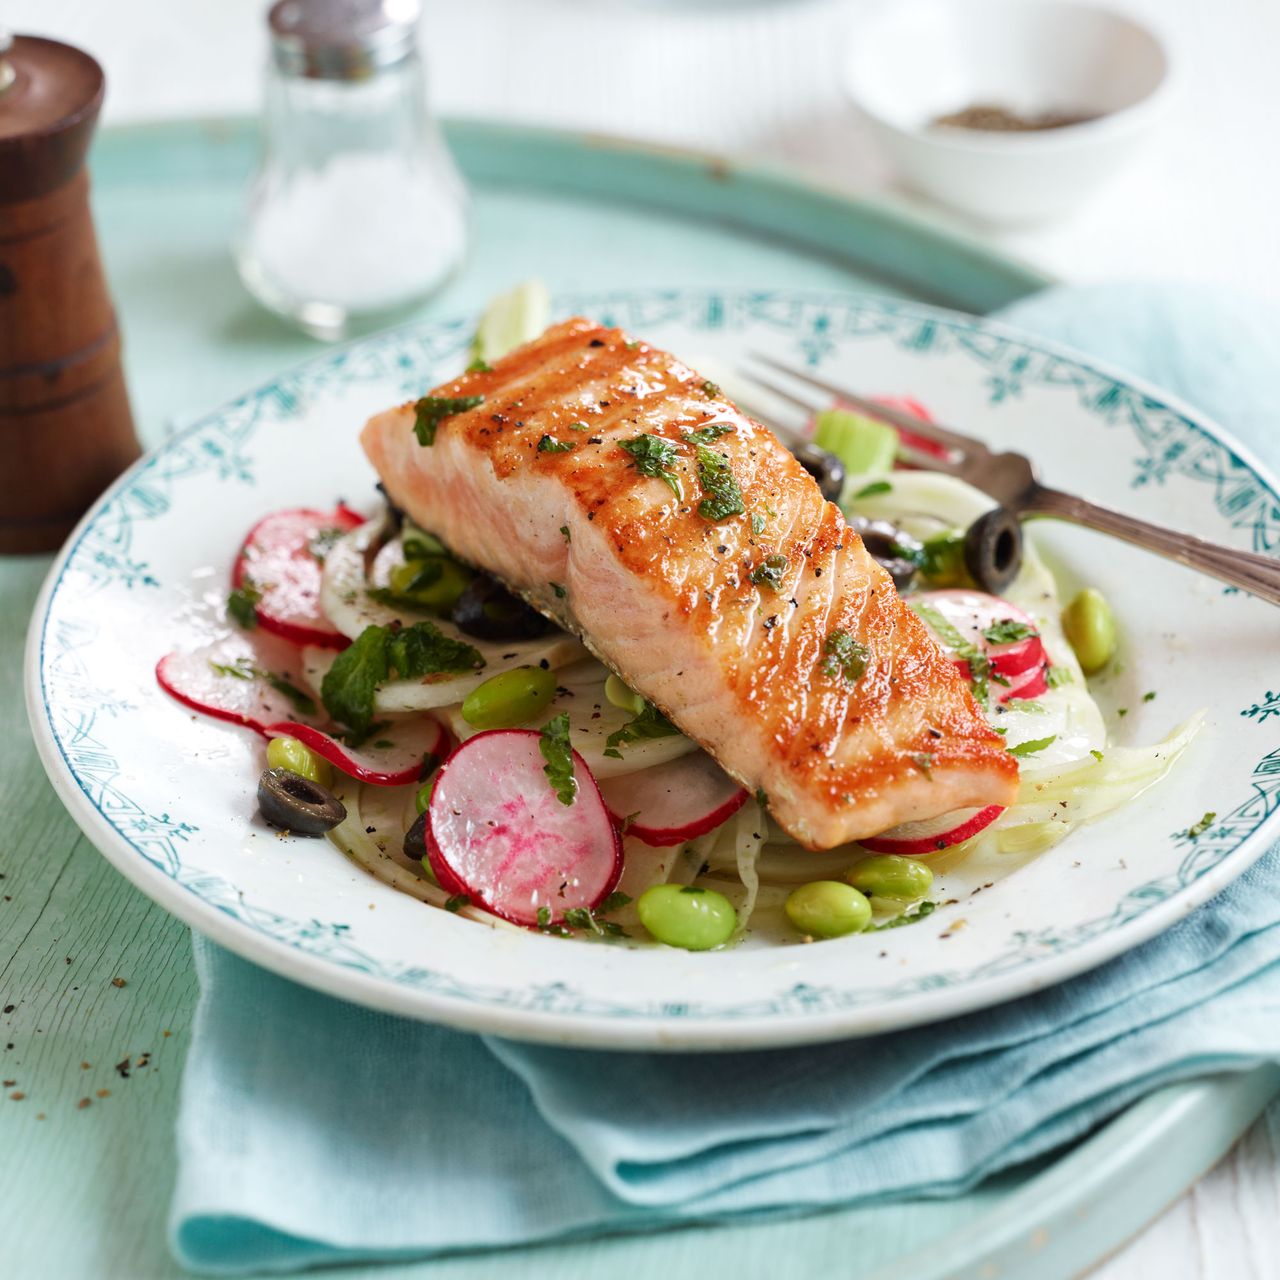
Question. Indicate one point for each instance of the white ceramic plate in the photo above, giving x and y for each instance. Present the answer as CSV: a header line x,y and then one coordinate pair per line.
x,y
168,797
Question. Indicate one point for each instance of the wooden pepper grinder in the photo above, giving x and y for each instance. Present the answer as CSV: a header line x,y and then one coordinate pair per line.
x,y
65,426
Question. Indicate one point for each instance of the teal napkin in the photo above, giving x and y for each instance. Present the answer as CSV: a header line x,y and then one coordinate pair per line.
x,y
312,1131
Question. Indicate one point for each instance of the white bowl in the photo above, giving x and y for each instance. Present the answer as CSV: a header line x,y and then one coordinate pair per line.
x,y
915,60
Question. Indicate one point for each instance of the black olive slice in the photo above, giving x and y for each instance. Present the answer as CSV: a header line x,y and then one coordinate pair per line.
x,y
415,839
294,803
895,550
824,467
993,550
488,611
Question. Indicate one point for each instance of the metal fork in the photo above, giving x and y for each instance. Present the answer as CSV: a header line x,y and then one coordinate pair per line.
x,y
1011,479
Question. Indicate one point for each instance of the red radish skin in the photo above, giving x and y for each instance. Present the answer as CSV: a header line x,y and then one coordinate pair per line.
x,y
497,833
277,558
915,839
673,802
416,747
1022,663
254,703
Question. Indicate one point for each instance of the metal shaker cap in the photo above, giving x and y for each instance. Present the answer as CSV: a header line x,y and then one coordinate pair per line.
x,y
342,39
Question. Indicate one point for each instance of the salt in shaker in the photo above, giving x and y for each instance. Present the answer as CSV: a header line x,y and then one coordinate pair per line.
x,y
357,213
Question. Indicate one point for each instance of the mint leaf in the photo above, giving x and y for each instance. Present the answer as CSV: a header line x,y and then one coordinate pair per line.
x,y
654,457
553,742
708,434
724,498
875,487
549,444
1033,745
431,411
424,650
845,656
770,572
1006,631
242,604
650,723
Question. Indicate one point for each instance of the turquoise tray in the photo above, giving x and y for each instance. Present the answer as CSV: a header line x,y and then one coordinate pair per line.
x,y
585,212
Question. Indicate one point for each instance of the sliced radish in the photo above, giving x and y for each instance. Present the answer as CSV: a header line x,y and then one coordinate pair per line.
x,y
1030,684
401,752
497,832
279,558
933,834
244,678
673,802
1020,662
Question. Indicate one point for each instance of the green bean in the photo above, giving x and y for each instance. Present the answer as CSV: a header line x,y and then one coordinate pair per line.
x,y
1091,628
423,798
290,754
509,698
687,916
889,875
622,696
434,582
828,909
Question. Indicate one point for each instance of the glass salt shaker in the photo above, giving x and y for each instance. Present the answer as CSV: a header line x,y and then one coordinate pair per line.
x,y
357,213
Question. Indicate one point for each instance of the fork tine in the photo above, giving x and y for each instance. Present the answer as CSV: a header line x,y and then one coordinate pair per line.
x,y
810,404
894,417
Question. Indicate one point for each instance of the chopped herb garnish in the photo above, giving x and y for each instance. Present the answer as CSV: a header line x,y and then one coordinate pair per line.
x,y
322,542
578,426
757,523
708,434
614,902
1006,631
917,913
350,685
978,663
549,444
431,411
585,918
923,761
565,534
544,917
479,365
303,704
631,344
553,742
1023,704
654,457
724,498
649,723
1032,745
1096,754
770,572
457,902
875,487
844,656
1056,677
710,388
1122,711
1149,697
1198,829
242,604
558,589
241,669
762,797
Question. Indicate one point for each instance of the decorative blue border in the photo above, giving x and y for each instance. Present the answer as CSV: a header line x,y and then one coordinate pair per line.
x,y
1168,442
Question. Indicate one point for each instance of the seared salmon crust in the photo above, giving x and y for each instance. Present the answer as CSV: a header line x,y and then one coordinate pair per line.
x,y
626,498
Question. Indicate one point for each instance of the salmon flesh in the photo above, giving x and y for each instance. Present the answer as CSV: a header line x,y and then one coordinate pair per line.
x,y
626,498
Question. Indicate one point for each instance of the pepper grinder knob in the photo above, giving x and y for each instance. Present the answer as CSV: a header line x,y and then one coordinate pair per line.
x,y
66,430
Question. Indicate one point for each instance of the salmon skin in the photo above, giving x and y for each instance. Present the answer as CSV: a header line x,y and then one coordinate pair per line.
x,y
626,498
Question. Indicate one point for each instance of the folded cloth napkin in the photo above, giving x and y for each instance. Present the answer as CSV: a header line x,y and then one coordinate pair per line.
x,y
312,1131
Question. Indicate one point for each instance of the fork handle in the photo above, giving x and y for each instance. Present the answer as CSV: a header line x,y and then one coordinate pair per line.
x,y
1257,574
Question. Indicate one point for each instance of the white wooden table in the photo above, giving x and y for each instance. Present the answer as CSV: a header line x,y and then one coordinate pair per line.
x,y
765,78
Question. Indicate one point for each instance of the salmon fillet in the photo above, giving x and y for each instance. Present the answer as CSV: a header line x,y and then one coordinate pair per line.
x,y
761,627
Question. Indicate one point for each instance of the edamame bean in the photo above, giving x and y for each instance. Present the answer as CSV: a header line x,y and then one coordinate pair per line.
x,y
290,754
622,696
423,798
435,582
828,909
509,698
1091,627
687,916
889,875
